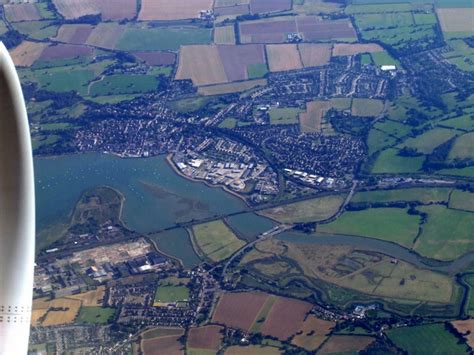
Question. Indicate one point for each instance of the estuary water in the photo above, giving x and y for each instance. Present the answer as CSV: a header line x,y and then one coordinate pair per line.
x,y
155,196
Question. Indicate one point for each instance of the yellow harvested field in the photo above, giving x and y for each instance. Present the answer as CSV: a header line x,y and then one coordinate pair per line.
x,y
466,327
201,64
313,333
345,49
173,10
27,53
283,57
311,119
36,315
456,19
315,55
91,298
65,311
231,87
72,9
224,35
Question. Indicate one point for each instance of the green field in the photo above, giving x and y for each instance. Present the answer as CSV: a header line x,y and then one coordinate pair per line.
x,y
162,38
228,123
287,115
391,224
123,84
464,172
428,141
370,8
190,104
437,3
389,162
172,290
177,243
447,234
255,71
367,107
38,30
306,211
427,339
469,279
215,240
65,79
378,140
462,200
95,315
463,147
423,195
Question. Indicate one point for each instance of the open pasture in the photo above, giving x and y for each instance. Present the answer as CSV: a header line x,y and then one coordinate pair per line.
x,y
447,233
315,55
215,240
391,224
456,19
311,119
423,195
156,57
208,337
346,344
428,141
306,211
117,10
160,332
264,6
284,115
283,57
74,34
426,339
73,9
27,53
22,12
63,79
463,148
345,49
239,310
172,10
65,51
367,107
314,332
142,38
462,200
390,162
106,35
123,84
285,318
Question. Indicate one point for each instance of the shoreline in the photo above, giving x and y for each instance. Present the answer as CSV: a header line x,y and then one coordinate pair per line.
x,y
170,162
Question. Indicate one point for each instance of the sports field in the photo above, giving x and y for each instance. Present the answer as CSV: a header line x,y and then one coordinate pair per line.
x,y
171,290
95,315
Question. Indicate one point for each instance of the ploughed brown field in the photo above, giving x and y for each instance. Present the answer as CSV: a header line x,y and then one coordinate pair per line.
x,y
310,27
118,9
72,9
238,310
157,57
313,333
172,10
21,12
208,337
344,49
242,9
65,51
168,345
262,6
285,318
27,53
74,34
345,343
211,64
